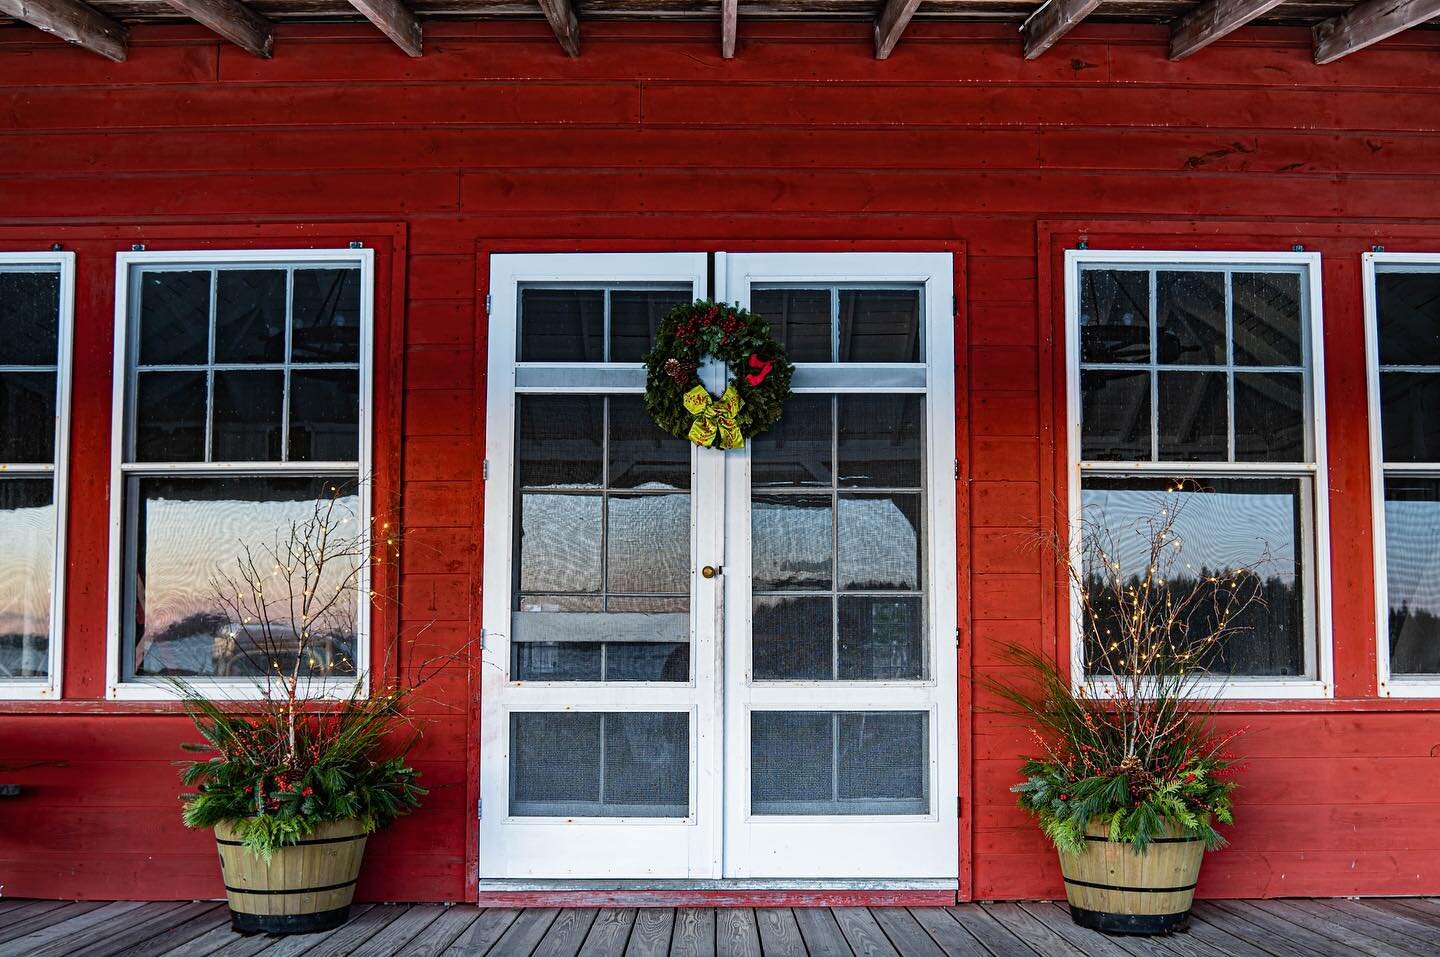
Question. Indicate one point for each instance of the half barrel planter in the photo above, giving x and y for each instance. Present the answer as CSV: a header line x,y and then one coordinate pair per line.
x,y
1114,890
303,888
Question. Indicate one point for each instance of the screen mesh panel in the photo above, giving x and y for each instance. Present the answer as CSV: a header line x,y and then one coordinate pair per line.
x,y
599,764
839,762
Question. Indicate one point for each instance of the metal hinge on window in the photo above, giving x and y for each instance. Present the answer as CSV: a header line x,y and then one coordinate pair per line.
x,y
957,637
487,303
959,806
479,808
485,470
957,470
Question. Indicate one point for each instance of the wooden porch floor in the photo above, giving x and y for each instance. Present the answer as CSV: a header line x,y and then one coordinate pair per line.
x,y
1404,927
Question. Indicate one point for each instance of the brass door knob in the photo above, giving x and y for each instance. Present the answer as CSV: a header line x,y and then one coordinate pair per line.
x,y
709,571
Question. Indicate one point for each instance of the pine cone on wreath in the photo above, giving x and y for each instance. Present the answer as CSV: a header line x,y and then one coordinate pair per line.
x,y
681,370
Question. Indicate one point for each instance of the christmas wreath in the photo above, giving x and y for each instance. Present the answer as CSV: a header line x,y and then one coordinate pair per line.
x,y
759,375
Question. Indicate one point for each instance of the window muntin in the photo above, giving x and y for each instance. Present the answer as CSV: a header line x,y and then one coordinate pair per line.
x,y
1405,367
1194,384
34,357
602,515
843,323
241,417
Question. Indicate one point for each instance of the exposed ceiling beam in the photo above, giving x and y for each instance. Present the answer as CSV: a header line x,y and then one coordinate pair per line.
x,y
891,24
395,21
729,23
1211,20
1367,23
1053,21
561,15
74,22
232,20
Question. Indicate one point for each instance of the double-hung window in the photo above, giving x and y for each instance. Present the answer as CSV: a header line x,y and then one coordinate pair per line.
x,y
1195,391
241,513
1402,296
36,306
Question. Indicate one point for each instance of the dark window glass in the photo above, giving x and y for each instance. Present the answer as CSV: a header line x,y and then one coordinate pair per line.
x,y
1408,307
559,441
1115,416
174,317
1193,424
1114,315
599,764
562,325
1410,416
324,415
30,316
791,760
250,315
249,408
793,638
27,417
1190,318
880,440
189,539
635,317
1225,527
326,316
27,529
799,319
881,639
879,325
796,451
1267,319
883,761
847,762
1412,573
556,661
642,455
170,417
1270,417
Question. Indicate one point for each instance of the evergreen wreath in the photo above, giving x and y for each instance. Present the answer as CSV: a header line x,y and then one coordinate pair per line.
x,y
759,370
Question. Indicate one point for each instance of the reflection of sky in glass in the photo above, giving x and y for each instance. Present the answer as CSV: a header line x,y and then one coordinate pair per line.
x,y
27,536
1412,554
188,544
1216,529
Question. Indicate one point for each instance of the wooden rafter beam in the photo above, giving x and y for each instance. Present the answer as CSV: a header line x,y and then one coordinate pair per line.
x,y
74,22
1053,21
1368,23
729,24
1211,20
891,24
395,21
561,14
232,20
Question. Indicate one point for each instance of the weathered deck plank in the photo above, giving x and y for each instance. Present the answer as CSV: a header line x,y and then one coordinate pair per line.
x,y
1395,927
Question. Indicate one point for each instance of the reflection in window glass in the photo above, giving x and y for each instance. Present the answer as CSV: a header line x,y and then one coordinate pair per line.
x,y
195,613
29,466
1412,573
1255,528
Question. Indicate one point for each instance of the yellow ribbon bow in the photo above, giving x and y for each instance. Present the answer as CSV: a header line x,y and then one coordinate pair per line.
x,y
715,417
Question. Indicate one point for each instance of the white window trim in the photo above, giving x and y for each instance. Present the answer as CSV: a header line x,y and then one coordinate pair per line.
x,y
1390,686
117,688
1322,685
48,689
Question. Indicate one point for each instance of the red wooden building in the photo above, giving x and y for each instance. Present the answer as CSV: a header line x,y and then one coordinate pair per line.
x,y
1022,276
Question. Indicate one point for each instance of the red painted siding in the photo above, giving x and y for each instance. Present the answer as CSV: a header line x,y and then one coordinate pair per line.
x,y
497,141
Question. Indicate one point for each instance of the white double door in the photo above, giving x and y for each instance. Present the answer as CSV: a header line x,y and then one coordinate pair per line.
x,y
720,666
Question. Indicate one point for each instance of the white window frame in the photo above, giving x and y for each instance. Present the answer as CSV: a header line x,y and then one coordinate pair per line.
x,y
1319,629
1389,686
48,689
117,686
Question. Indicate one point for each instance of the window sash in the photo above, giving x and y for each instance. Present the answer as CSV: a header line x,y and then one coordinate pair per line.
x,y
130,266
1316,545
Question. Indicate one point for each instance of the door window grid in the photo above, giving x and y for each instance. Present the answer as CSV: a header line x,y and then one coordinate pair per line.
x,y
32,476
275,481
598,341
836,493
287,366
1196,470
1408,462
847,325
606,598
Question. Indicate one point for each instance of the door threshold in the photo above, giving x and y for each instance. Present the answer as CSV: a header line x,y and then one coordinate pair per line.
x,y
729,884
853,892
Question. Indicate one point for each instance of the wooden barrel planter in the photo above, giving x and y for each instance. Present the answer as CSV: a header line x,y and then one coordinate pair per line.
x,y
306,887
1117,891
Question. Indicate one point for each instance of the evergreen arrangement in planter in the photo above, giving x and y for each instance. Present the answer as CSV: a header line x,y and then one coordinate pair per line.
x,y
292,782
1132,776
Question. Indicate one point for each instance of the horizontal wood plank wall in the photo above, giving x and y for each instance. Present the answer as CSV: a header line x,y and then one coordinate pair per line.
x,y
496,140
